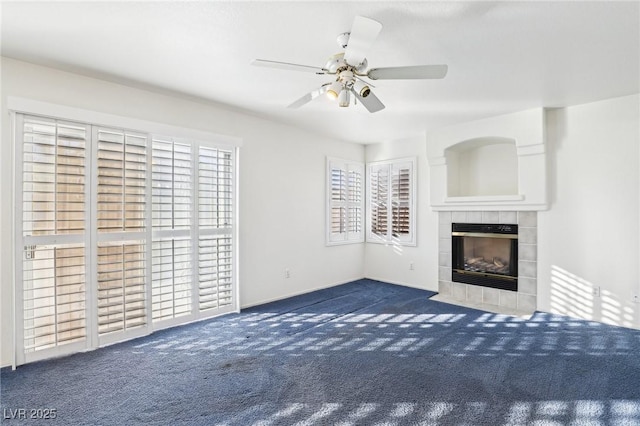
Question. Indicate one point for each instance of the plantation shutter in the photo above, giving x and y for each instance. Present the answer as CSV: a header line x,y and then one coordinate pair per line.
x,y
122,165
54,295
172,263
51,278
355,199
338,203
215,214
118,233
345,201
54,161
401,200
121,286
379,200
391,215
121,231
171,277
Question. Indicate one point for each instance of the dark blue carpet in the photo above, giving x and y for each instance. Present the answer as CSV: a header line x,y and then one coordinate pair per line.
x,y
363,353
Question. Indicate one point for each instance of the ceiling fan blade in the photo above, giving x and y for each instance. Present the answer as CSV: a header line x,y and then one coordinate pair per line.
x,y
309,96
370,102
408,73
287,66
364,31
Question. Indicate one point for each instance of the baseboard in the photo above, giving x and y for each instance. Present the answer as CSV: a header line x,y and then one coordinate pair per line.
x,y
297,293
402,284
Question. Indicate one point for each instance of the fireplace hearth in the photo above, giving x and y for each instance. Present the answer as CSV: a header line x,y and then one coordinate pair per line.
x,y
485,255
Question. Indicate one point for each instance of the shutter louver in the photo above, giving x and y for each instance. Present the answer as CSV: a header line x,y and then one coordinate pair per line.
x,y
110,181
338,219
182,186
135,183
215,190
355,202
162,185
401,198
53,295
171,278
215,272
172,185
338,199
355,219
121,286
379,201
225,189
121,181
70,183
53,177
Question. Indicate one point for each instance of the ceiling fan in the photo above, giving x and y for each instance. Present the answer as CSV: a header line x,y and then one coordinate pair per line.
x,y
350,69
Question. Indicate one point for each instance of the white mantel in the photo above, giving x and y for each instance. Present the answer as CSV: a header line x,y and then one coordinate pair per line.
x,y
455,153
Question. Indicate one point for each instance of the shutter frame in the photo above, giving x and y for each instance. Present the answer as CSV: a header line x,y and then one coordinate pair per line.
x,y
51,281
391,202
345,206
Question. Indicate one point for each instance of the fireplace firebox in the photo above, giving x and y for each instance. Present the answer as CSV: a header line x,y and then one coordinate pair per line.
x,y
485,255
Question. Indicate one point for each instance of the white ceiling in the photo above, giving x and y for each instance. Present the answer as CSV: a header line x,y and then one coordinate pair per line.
x,y
502,56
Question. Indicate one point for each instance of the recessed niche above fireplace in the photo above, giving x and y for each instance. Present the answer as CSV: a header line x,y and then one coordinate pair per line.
x,y
498,163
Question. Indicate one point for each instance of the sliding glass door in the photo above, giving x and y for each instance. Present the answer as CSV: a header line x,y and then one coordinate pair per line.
x,y
118,233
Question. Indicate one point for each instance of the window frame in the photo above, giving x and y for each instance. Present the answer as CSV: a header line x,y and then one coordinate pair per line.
x,y
346,237
392,167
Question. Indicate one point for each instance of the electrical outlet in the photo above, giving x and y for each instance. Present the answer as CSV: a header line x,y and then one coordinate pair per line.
x,y
595,291
635,298
411,268
287,273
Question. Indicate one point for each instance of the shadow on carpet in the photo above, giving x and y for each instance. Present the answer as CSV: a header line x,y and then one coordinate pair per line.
x,y
363,353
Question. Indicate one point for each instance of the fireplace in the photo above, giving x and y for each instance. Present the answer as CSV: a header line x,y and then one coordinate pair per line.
x,y
485,255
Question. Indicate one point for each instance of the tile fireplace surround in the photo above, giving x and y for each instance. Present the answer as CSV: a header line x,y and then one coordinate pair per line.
x,y
524,300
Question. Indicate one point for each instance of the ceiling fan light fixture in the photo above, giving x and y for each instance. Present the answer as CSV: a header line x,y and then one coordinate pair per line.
x,y
344,97
343,40
361,89
348,68
334,89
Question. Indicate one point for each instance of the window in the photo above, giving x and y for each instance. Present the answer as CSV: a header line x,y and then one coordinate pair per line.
x,y
120,233
391,198
345,202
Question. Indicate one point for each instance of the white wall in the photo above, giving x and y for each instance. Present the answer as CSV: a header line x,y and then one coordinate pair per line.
x,y
391,263
282,183
590,235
